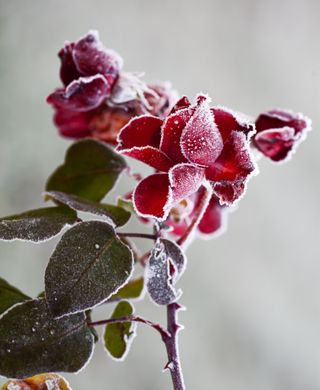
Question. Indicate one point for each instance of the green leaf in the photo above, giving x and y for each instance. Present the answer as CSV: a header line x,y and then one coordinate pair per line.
x,y
38,382
32,341
117,215
89,264
126,204
118,336
90,170
9,296
36,225
131,290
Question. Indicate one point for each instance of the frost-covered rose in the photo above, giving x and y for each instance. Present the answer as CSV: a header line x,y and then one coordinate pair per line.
x,y
279,132
98,98
194,145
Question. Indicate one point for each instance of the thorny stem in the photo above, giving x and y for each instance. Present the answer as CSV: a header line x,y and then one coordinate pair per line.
x,y
174,364
171,344
163,333
138,235
170,336
198,214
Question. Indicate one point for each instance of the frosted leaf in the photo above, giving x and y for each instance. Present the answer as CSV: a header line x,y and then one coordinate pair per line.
x,y
68,349
119,336
90,170
166,264
36,225
115,214
90,275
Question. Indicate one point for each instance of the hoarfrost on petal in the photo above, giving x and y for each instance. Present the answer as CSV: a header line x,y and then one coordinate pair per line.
x,y
201,142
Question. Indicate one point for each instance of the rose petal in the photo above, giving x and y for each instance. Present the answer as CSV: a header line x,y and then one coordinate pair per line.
x,y
152,196
228,193
212,220
276,119
171,134
181,104
73,124
201,142
106,125
279,132
83,94
235,161
91,57
276,143
185,180
68,69
144,130
227,121
163,98
151,156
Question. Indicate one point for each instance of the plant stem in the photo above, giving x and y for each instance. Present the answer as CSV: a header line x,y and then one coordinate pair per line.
x,y
171,343
138,235
198,214
163,333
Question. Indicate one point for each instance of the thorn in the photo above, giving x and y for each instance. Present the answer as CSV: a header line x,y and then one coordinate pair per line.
x,y
168,366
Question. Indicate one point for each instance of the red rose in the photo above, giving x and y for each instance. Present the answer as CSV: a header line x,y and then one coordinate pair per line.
x,y
194,145
97,98
279,132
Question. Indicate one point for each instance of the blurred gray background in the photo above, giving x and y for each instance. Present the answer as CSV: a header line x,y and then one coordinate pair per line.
x,y
253,318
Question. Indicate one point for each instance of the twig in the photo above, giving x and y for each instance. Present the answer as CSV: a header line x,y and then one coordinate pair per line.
x,y
163,333
171,343
138,235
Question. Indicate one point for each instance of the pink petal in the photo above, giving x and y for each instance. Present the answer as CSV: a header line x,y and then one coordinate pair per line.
x,y
201,142
83,94
235,161
73,124
91,57
212,220
144,130
227,121
152,197
279,132
185,180
171,134
151,156
68,69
